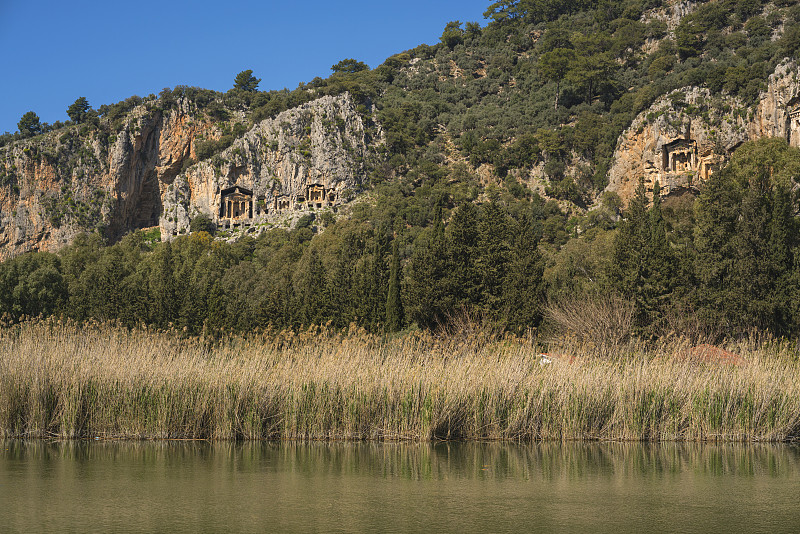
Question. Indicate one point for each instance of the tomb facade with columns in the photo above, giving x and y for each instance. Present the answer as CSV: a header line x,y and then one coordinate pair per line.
x,y
236,203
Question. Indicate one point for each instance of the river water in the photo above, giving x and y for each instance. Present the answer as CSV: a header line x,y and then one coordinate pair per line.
x,y
370,487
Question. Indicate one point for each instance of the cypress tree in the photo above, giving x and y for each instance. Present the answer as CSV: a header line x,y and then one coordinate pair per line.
x,y
312,291
342,304
658,264
630,244
523,287
716,212
781,233
428,298
751,283
162,286
394,305
493,257
462,244
378,275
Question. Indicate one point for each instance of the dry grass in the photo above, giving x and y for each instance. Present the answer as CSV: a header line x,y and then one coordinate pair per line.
x,y
65,380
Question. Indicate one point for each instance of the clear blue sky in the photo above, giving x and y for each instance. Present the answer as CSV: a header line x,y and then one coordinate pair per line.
x,y
55,51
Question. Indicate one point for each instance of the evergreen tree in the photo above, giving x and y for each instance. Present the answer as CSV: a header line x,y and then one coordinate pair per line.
x,y
349,66
554,65
717,213
108,300
29,124
523,290
394,304
462,243
32,285
751,277
493,257
428,299
380,281
78,111
245,81
313,300
745,238
658,264
630,243
452,35
340,285
162,286
782,239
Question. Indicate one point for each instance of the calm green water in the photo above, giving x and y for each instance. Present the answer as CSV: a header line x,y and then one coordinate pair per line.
x,y
446,487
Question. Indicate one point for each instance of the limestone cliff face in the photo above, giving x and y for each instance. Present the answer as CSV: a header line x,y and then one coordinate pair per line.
x,y
680,141
83,179
137,174
687,135
306,159
778,111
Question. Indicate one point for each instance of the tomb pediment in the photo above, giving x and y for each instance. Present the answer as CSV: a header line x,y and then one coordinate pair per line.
x,y
236,189
236,203
679,156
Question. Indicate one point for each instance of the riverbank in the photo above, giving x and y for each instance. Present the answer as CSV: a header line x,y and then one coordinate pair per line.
x,y
67,381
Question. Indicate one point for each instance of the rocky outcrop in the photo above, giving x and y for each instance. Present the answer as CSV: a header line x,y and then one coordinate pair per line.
x,y
687,135
142,172
670,14
83,178
778,111
680,141
306,159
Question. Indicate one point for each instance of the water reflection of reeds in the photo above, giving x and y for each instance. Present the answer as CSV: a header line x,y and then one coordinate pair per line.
x,y
549,461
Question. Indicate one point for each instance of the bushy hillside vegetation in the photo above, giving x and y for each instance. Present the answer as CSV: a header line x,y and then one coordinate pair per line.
x,y
496,139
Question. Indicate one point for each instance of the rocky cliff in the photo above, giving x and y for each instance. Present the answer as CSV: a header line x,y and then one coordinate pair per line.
x,y
778,111
687,135
140,171
306,159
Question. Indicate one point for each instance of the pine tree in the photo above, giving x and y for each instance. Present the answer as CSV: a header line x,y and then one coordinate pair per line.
x,y
245,81
78,111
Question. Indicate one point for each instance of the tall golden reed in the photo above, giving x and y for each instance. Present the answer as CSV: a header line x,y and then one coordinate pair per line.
x,y
65,380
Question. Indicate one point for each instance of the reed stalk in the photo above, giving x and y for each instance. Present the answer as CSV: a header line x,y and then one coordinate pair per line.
x,y
64,380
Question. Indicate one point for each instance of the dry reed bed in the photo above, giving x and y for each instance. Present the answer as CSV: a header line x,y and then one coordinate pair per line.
x,y
65,380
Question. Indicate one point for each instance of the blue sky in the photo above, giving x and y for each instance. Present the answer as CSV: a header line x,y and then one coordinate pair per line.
x,y
56,51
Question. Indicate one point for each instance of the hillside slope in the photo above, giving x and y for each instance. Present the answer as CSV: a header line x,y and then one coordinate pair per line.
x,y
607,169
566,99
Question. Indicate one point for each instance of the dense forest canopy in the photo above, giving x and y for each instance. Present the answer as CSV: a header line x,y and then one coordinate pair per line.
x,y
450,227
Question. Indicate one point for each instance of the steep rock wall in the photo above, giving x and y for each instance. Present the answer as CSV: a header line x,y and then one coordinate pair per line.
x,y
687,135
78,179
680,141
778,110
318,148
85,178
